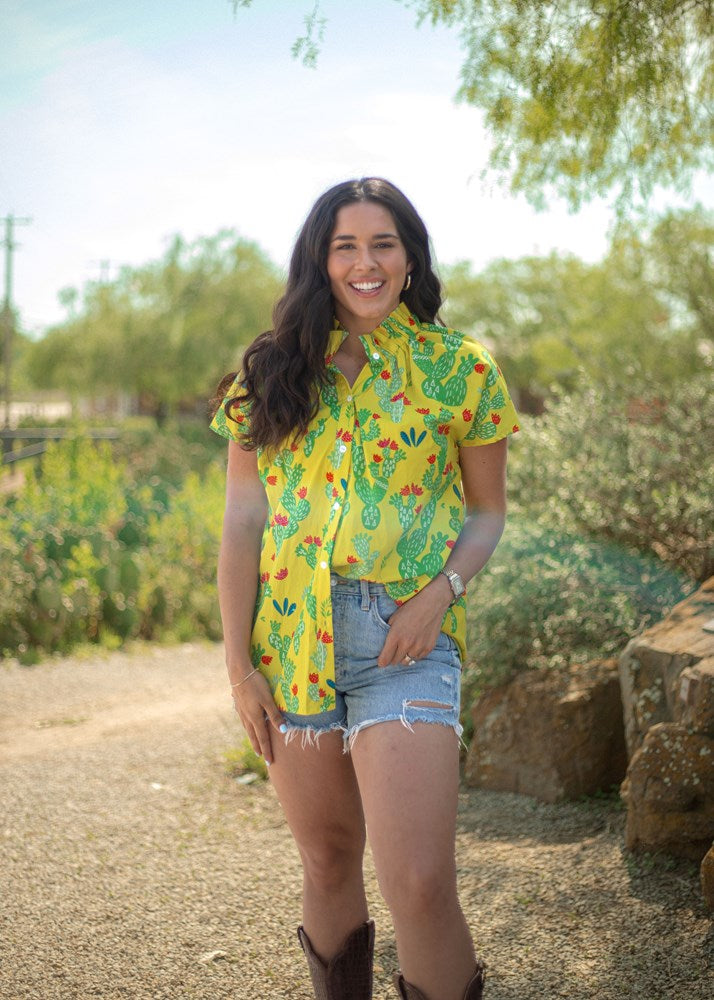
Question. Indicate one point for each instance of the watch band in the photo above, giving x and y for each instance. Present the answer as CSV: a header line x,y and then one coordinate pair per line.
x,y
455,582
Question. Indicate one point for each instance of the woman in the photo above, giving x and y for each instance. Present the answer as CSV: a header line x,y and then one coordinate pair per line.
x,y
341,576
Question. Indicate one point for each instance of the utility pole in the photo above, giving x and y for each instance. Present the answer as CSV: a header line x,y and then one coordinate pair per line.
x,y
8,317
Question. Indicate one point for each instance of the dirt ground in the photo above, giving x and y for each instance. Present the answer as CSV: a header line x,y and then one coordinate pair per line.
x,y
133,866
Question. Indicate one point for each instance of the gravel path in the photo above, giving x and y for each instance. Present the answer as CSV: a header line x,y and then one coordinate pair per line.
x,y
134,867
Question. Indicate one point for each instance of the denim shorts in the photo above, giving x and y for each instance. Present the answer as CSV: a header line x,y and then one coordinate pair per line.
x,y
366,694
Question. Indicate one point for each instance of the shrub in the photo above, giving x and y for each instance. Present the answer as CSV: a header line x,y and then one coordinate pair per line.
x,y
636,470
550,598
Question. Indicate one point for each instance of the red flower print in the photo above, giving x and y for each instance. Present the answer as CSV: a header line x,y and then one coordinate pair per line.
x,y
281,519
431,459
417,509
398,602
282,573
407,402
516,428
423,409
376,341
318,541
328,358
450,543
335,491
314,678
330,477
376,458
302,492
448,467
319,633
326,638
272,480
385,375
294,689
322,693
273,557
495,418
308,539
421,338
480,368
404,491
264,577
393,445
467,415
293,447
266,659
384,443
239,418
352,559
443,428
411,322
417,490
375,416
398,395
346,437
356,422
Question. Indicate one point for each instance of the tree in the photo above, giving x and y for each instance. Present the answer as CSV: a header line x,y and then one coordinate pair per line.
x,y
647,309
167,331
582,97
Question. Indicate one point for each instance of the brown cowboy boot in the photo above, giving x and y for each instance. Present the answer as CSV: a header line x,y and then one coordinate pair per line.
x,y
474,987
348,974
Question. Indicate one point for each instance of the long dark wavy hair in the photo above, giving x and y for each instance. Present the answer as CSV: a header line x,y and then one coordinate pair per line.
x,y
284,368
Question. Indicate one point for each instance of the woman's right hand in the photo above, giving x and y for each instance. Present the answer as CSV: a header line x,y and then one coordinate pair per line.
x,y
254,703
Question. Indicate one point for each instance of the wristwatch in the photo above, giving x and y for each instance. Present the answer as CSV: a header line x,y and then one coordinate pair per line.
x,y
455,582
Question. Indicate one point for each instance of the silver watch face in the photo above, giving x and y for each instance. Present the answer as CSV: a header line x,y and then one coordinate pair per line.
x,y
457,584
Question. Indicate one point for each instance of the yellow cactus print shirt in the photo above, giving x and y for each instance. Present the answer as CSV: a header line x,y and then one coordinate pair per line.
x,y
372,491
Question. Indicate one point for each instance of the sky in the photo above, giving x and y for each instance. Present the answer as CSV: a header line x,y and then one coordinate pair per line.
x,y
124,123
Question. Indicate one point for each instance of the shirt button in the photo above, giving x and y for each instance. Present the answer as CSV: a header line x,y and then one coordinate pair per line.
x,y
375,356
343,448
323,565
336,505
349,399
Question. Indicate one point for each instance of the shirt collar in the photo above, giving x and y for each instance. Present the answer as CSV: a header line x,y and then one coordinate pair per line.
x,y
396,326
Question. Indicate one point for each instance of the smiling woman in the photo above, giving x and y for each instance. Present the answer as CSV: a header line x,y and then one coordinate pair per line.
x,y
366,482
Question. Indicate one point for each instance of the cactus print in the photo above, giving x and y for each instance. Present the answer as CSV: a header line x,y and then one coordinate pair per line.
x,y
372,491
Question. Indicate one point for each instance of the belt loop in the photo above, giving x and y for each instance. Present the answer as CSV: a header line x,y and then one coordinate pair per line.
x,y
364,591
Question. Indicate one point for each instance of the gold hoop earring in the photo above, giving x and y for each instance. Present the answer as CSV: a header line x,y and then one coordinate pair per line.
x,y
408,283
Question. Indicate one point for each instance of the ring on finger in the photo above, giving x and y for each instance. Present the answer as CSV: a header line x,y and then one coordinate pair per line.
x,y
409,659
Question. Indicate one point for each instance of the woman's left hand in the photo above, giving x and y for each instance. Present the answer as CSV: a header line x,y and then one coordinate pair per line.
x,y
415,625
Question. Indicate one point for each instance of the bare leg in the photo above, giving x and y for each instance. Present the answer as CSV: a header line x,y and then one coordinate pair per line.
x,y
318,791
409,787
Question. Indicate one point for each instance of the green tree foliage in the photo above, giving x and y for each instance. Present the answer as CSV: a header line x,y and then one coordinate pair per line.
x,y
647,309
167,331
582,97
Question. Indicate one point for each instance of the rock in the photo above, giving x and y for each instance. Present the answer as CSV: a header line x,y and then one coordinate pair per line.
x,y
707,873
667,673
550,734
669,791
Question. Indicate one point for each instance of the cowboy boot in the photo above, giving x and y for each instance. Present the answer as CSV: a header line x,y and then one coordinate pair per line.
x,y
348,974
474,987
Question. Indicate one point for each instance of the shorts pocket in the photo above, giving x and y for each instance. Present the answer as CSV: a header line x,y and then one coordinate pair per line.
x,y
383,607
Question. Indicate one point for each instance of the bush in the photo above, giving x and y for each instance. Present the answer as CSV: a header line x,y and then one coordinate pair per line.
x,y
89,551
550,598
633,470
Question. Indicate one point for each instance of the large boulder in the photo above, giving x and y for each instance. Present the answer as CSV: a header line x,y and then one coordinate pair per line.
x,y
667,672
669,792
550,734
707,874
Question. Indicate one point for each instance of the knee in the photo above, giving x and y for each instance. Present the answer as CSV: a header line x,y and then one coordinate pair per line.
x,y
332,855
419,889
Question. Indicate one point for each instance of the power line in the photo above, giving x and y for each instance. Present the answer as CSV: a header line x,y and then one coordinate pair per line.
x,y
8,316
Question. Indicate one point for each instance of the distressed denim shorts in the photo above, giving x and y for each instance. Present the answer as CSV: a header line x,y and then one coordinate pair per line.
x,y
366,694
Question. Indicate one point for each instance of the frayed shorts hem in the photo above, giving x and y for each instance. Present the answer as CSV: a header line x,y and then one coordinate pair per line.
x,y
310,735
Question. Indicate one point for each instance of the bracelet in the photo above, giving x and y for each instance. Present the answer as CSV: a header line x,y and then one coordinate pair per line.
x,y
246,678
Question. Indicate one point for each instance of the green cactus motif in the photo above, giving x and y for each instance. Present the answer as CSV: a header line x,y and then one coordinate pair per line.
x,y
312,436
368,425
331,400
436,372
454,391
385,389
367,558
297,635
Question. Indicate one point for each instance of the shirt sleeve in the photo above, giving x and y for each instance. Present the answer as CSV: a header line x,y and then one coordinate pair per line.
x,y
489,414
232,423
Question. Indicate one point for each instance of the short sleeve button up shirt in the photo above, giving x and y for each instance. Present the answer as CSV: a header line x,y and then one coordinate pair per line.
x,y
372,491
